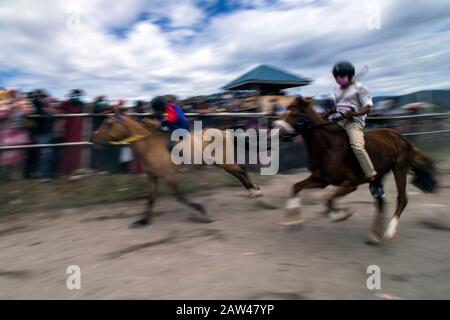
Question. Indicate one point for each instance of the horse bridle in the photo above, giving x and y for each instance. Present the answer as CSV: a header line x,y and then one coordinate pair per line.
x,y
135,137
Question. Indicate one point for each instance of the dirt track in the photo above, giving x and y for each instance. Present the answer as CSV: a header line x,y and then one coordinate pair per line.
x,y
245,254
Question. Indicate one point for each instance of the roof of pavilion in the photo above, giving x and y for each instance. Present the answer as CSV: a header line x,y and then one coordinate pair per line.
x,y
267,75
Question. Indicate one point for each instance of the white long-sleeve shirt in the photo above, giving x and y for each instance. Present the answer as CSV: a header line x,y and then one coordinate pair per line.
x,y
353,98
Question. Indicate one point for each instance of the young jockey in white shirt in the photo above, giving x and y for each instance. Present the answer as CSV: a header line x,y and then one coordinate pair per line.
x,y
352,104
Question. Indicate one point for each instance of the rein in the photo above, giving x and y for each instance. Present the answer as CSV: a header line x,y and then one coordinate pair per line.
x,y
133,138
320,125
333,121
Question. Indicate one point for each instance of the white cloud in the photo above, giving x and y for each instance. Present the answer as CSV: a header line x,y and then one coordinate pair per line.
x,y
193,55
184,14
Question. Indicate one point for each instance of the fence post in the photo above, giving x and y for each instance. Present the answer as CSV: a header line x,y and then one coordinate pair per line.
x,y
86,152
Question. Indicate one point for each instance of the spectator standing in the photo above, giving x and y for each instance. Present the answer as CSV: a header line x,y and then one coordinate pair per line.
x,y
101,106
139,107
104,159
43,133
73,129
13,111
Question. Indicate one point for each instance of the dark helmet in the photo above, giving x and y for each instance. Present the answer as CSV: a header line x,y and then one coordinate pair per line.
x,y
75,93
158,104
170,98
344,68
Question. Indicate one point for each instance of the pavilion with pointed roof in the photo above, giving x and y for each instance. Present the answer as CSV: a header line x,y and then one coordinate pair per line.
x,y
267,79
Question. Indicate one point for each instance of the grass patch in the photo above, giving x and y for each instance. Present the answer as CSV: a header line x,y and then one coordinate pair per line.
x,y
31,195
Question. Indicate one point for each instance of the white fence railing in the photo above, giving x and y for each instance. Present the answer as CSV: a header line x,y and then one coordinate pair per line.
x,y
222,115
241,115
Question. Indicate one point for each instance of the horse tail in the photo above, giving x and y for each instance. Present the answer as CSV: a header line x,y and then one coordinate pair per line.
x,y
423,170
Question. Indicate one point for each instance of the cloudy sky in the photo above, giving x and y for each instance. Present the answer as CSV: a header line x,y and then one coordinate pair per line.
x,y
141,48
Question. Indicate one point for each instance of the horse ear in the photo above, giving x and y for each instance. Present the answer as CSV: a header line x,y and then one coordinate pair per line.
x,y
309,99
298,100
117,110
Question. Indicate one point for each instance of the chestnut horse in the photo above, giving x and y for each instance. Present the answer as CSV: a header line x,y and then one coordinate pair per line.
x,y
150,144
332,162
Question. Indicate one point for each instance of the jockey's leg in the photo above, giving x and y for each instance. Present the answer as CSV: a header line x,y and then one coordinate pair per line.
x,y
356,136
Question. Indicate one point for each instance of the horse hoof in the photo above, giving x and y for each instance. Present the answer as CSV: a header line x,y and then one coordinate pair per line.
x,y
292,223
139,224
373,240
325,213
255,193
391,230
202,219
341,216
263,204
388,238
201,210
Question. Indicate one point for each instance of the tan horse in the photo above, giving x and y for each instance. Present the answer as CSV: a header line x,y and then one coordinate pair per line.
x,y
150,144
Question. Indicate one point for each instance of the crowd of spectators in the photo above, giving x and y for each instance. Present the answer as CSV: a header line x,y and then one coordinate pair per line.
x,y
31,118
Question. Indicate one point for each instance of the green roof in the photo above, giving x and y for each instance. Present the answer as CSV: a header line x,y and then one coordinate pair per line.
x,y
268,75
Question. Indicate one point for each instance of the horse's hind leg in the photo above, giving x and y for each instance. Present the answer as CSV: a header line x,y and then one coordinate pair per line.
x,y
147,217
400,175
293,205
255,191
376,233
242,175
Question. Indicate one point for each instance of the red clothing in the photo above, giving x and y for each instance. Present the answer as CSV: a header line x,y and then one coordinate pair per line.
x,y
11,129
171,114
73,130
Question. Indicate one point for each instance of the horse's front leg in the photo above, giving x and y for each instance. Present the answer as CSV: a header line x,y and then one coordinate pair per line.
x,y
337,215
294,204
147,215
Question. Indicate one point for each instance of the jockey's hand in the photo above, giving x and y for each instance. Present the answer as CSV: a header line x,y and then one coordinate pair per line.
x,y
288,136
330,111
349,115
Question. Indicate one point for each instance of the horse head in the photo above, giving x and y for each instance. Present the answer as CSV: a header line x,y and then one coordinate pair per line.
x,y
296,119
302,115
302,104
112,129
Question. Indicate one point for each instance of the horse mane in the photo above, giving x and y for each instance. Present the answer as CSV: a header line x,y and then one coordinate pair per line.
x,y
136,125
306,104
